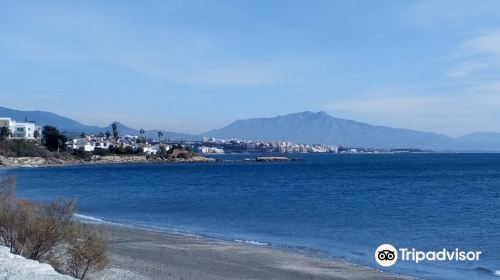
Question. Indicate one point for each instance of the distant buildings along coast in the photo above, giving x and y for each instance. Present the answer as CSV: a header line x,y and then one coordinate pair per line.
x,y
19,130
28,130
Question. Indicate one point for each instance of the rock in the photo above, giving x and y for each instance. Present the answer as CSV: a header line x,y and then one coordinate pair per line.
x,y
16,267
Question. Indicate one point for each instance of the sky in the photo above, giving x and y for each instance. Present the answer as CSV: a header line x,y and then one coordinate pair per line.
x,y
190,66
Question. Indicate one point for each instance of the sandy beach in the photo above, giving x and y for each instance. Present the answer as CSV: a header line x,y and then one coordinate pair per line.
x,y
139,254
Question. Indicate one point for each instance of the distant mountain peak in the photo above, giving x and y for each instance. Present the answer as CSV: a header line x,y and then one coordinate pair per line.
x,y
305,127
309,127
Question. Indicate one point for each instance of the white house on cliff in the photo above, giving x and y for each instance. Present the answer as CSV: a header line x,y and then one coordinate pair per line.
x,y
20,130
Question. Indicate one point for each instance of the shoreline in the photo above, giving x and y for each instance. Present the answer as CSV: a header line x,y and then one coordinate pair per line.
x,y
137,253
38,162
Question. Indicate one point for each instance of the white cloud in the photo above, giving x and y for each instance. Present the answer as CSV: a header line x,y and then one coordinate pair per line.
x,y
242,74
488,43
466,100
453,13
70,37
474,109
477,55
466,68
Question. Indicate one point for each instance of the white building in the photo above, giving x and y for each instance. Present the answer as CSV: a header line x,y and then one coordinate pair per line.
x,y
82,143
155,149
210,150
19,130
88,145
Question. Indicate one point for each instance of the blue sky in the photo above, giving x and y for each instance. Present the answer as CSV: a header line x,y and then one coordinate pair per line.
x,y
190,66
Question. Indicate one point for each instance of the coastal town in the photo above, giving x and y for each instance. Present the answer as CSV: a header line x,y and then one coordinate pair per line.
x,y
111,142
207,146
29,131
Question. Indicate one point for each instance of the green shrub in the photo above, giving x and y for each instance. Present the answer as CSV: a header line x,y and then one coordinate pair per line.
x,y
22,148
81,153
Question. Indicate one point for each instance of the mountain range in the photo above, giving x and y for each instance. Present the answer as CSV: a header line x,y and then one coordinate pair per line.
x,y
70,126
304,127
321,128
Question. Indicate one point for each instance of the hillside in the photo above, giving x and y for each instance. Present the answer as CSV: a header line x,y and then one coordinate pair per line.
x,y
70,126
304,127
321,128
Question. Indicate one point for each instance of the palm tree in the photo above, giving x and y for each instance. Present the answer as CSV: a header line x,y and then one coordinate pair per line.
x,y
142,134
114,126
160,135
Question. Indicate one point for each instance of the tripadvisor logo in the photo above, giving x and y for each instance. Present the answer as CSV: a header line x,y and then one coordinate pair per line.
x,y
387,255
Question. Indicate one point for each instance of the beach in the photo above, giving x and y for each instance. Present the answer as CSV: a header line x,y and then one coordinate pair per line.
x,y
141,254
340,206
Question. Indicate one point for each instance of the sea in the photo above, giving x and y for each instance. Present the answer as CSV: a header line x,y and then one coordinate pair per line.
x,y
340,206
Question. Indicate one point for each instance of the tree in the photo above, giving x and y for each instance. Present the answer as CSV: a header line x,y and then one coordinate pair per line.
x,y
142,131
121,149
115,131
36,134
160,135
108,134
129,150
83,135
5,133
52,139
87,250
163,149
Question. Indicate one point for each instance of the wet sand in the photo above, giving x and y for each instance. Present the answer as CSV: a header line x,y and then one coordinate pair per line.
x,y
139,254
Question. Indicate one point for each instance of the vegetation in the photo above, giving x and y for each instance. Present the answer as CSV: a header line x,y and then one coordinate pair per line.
x,y
36,134
115,131
87,250
52,139
82,154
5,132
21,148
47,232
175,152
54,146
102,152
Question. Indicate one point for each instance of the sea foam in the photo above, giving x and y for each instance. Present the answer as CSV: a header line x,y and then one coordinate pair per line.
x,y
252,242
90,219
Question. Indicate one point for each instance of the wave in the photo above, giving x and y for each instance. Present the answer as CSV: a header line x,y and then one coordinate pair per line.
x,y
90,219
251,242
93,220
487,270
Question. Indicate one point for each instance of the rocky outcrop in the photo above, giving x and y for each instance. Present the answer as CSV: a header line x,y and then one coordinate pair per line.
x,y
23,161
17,268
146,159
42,162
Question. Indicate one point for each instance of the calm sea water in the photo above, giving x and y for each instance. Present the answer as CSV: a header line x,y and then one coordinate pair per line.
x,y
342,205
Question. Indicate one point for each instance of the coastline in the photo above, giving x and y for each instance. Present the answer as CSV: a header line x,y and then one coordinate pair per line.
x,y
38,162
147,254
